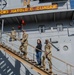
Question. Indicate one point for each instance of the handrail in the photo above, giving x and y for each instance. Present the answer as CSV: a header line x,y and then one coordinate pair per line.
x,y
42,51
28,43
24,61
54,57
62,61
36,29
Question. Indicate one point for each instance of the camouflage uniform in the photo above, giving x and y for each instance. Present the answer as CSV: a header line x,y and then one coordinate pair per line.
x,y
13,34
47,55
24,44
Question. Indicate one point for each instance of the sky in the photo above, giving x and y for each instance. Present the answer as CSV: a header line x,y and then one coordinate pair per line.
x,y
72,3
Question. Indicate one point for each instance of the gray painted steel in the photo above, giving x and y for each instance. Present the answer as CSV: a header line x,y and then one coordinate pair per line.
x,y
51,21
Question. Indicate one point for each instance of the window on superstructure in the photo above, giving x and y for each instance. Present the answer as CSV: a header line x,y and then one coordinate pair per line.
x,y
44,1
59,27
41,28
0,2
34,0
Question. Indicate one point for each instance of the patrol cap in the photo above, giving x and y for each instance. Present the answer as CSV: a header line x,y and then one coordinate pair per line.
x,y
46,41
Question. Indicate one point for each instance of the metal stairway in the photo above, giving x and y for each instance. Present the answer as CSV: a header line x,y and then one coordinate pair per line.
x,y
27,61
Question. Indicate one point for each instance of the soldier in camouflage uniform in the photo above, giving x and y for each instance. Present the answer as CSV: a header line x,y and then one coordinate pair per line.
x,y
24,44
13,34
48,55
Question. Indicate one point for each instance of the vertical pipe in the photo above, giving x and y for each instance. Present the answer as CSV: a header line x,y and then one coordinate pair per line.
x,y
18,34
0,36
67,4
67,69
1,29
22,26
70,70
68,31
33,57
54,16
2,25
1,4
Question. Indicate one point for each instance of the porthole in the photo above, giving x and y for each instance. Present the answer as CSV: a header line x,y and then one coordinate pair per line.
x,y
65,47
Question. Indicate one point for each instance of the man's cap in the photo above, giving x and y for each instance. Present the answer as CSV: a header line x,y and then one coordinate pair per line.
x,y
24,30
46,40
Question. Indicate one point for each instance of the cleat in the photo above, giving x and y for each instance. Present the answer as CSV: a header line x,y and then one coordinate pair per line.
x,y
47,69
18,53
14,51
6,47
30,59
50,72
21,55
33,62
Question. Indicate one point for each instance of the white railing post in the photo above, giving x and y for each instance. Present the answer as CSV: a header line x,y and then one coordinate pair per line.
x,y
70,70
67,69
